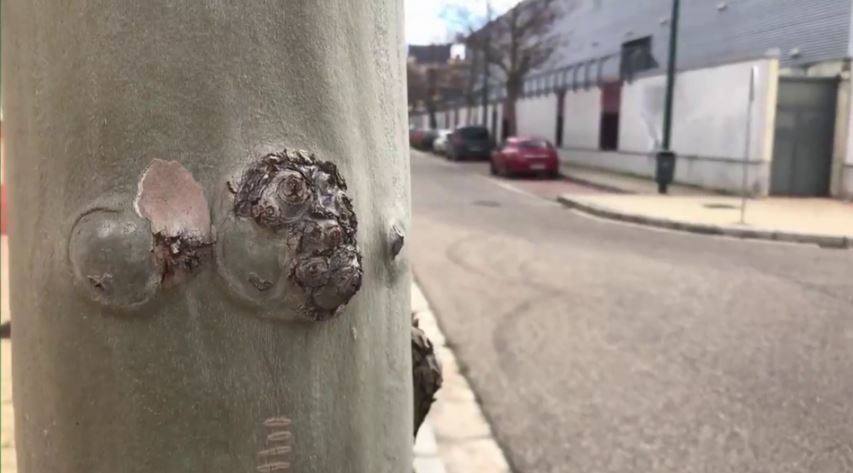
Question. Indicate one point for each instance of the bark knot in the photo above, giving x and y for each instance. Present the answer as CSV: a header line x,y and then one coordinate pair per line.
x,y
303,201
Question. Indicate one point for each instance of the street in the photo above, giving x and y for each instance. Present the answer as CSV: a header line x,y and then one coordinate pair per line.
x,y
597,346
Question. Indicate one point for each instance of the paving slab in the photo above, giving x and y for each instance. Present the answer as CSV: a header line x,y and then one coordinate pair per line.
x,y
455,431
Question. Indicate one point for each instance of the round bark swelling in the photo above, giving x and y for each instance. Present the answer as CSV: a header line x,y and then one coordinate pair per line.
x,y
302,202
110,254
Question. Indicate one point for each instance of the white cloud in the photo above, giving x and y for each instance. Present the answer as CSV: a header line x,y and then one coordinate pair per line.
x,y
427,21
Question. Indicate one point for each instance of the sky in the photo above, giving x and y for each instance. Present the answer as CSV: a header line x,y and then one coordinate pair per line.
x,y
437,21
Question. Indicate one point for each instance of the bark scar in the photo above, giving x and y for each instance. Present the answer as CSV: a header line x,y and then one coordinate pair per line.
x,y
175,206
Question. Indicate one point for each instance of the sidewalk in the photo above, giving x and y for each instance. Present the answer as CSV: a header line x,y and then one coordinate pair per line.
x,y
622,183
826,222
455,438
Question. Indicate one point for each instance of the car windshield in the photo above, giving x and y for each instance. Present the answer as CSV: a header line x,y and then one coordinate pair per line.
x,y
474,133
534,143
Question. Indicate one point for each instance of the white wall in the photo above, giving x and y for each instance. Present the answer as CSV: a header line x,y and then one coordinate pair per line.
x,y
498,125
421,120
641,113
476,114
582,118
439,119
709,126
709,112
710,174
463,116
537,116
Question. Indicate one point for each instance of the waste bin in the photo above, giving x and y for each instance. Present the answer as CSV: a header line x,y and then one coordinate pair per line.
x,y
664,169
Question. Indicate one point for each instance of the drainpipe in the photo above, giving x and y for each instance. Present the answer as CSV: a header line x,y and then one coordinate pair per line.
x,y
665,159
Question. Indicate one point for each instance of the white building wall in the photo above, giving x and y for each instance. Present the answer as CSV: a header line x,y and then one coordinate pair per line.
x,y
641,114
709,126
419,120
439,120
537,116
499,121
475,115
709,110
463,116
582,118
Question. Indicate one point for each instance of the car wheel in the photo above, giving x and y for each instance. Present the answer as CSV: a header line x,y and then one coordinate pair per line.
x,y
553,174
492,169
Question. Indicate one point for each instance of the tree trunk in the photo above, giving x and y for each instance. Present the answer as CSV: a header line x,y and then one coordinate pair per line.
x,y
513,91
174,310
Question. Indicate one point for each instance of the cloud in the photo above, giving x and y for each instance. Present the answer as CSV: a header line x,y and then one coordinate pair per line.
x,y
437,21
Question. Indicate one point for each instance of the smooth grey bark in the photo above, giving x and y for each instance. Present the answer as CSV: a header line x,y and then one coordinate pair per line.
x,y
194,378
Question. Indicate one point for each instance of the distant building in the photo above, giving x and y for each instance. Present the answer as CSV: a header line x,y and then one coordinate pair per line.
x,y
601,95
435,75
430,55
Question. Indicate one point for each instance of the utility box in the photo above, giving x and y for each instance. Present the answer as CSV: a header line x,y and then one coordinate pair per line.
x,y
664,169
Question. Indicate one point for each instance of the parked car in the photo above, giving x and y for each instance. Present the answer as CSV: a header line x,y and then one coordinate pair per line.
x,y
469,142
416,136
428,139
525,155
422,138
439,146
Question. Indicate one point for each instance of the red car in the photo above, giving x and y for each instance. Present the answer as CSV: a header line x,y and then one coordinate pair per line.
x,y
525,155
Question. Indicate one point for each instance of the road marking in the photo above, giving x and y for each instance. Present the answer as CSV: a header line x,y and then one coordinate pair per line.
x,y
512,188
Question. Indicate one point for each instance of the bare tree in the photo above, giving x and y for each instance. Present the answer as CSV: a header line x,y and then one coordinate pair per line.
x,y
430,85
516,43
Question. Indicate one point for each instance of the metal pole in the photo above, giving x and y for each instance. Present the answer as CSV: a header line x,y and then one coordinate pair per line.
x,y
665,159
485,91
753,74
670,75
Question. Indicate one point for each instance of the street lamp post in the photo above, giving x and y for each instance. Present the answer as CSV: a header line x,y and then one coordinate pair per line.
x,y
486,46
665,159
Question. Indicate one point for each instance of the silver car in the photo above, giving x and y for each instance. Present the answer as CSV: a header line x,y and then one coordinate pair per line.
x,y
439,146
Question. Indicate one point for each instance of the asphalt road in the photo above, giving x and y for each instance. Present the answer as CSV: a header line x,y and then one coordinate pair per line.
x,y
597,346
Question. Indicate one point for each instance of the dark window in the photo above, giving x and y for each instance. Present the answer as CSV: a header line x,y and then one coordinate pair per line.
x,y
534,143
611,98
637,57
474,133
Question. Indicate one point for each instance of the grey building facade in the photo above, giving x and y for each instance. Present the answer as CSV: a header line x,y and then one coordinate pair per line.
x,y
593,33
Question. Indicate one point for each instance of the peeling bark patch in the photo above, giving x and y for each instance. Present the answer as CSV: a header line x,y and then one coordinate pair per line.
x,y
303,201
175,206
